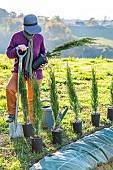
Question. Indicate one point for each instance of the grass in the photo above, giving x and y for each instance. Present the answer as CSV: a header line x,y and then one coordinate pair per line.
x,y
16,153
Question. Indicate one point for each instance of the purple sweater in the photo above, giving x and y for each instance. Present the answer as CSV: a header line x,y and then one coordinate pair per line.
x,y
38,47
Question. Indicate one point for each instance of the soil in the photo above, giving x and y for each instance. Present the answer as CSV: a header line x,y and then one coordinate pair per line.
x,y
108,166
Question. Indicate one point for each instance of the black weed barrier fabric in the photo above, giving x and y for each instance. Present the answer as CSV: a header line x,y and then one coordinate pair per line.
x,y
85,154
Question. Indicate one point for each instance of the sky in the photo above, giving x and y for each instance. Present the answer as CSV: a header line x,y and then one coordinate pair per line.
x,y
65,9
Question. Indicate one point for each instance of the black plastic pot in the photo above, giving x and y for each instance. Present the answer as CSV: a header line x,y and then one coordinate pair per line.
x,y
77,126
57,136
41,59
110,113
95,119
36,144
27,129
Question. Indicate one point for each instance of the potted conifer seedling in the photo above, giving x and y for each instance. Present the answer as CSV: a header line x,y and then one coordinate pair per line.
x,y
56,130
73,98
43,59
37,113
27,126
110,108
95,116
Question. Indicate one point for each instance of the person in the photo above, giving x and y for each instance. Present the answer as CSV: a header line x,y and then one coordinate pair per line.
x,y
32,40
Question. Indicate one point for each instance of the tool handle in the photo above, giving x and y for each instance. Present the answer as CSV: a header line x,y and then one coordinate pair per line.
x,y
21,56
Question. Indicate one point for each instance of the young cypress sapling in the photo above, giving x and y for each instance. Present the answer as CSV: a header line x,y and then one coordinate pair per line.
x,y
94,92
24,98
110,107
73,98
37,109
74,102
95,116
54,98
56,130
111,92
68,45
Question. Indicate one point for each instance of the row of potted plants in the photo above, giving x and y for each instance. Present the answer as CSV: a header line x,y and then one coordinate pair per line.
x,y
95,116
74,103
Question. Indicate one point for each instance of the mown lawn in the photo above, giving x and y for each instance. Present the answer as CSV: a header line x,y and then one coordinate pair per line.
x,y
16,153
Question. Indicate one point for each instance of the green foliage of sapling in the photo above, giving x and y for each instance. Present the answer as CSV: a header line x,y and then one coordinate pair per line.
x,y
54,98
24,97
70,44
37,108
73,98
94,92
111,92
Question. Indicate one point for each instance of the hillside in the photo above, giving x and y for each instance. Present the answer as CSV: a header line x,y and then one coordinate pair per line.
x,y
56,32
93,31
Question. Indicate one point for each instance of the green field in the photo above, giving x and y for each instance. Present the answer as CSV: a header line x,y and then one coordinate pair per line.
x,y
16,154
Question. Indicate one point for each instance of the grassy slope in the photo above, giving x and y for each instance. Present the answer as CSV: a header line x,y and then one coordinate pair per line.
x,y
16,153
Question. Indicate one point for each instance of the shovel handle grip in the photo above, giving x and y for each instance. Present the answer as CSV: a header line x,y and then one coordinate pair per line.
x,y
20,55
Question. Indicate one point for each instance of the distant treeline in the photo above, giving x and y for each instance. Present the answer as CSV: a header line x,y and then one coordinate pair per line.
x,y
57,32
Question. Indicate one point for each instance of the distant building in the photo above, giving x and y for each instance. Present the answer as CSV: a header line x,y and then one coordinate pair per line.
x,y
80,23
70,22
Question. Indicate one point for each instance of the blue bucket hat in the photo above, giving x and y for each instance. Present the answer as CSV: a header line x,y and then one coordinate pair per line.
x,y
31,24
